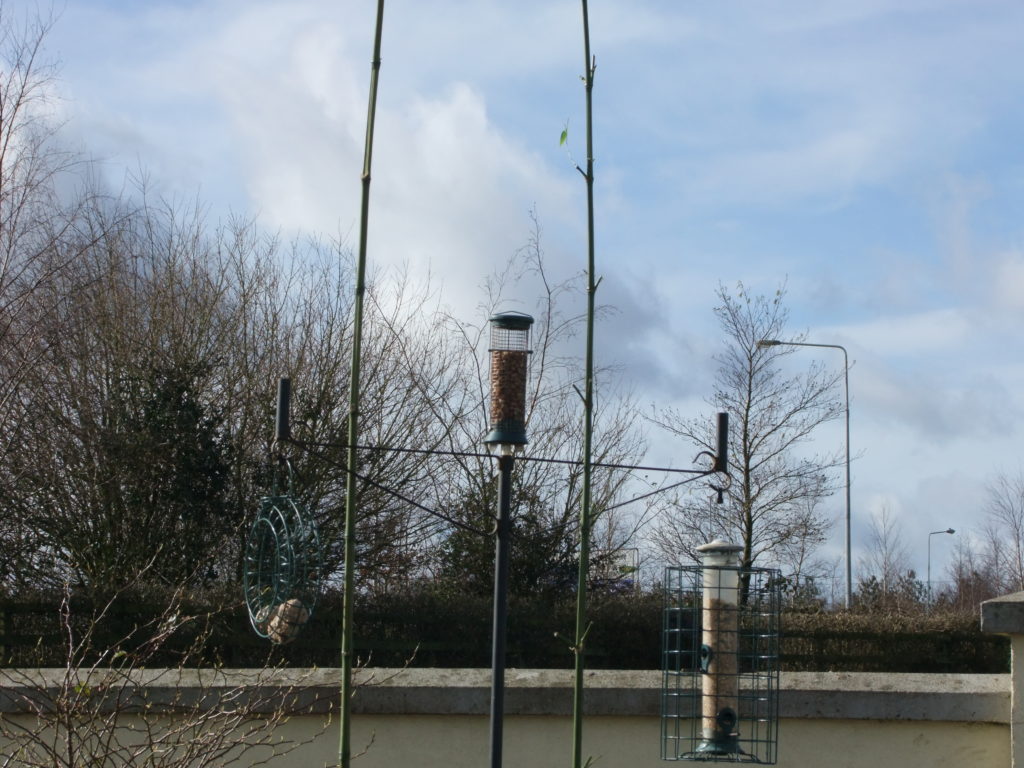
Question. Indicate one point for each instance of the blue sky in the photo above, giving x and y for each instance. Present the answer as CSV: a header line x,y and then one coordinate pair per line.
x,y
869,153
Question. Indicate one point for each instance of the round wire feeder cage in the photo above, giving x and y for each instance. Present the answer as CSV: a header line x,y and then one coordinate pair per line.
x,y
282,573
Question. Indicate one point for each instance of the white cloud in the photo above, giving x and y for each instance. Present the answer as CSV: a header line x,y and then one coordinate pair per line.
x,y
455,190
913,335
812,104
450,188
1008,283
833,164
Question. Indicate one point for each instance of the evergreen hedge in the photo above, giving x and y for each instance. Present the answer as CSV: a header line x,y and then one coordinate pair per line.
x,y
443,628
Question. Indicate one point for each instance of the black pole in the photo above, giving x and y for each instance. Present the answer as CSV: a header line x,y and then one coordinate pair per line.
x,y
722,454
501,553
283,428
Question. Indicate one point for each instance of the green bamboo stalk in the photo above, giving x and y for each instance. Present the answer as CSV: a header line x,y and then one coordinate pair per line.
x,y
586,521
347,651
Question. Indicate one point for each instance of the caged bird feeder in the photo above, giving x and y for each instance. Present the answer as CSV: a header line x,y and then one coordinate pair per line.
x,y
282,566
720,660
510,351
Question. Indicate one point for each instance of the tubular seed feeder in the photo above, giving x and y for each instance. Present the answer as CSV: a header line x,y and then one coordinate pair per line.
x,y
720,660
510,349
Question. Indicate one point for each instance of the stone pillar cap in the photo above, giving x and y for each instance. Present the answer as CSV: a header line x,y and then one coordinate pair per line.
x,y
1003,615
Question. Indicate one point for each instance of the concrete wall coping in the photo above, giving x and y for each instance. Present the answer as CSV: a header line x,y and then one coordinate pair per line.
x,y
810,695
1003,615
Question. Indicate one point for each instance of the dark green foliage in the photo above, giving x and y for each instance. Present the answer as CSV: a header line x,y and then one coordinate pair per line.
x,y
905,593
135,490
543,558
801,594
172,475
889,641
437,628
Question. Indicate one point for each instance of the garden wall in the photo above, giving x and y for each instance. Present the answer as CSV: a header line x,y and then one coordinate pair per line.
x,y
438,717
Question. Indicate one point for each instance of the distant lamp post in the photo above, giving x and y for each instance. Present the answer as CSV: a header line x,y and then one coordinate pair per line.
x,y
846,382
510,350
933,533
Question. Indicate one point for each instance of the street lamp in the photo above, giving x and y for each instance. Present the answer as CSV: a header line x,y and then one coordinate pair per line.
x,y
933,533
846,381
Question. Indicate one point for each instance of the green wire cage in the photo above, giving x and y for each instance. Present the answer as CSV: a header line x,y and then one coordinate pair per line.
x,y
720,647
283,562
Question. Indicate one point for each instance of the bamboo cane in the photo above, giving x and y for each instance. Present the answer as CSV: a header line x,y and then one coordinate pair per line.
x,y
347,651
586,521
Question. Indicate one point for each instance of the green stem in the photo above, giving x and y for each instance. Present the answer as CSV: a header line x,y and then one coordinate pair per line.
x,y
588,420
347,651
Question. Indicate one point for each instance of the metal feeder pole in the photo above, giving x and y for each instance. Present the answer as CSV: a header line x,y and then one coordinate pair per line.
x,y
501,556
510,337
282,422
718,652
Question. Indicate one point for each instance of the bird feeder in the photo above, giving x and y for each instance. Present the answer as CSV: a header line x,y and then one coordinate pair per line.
x,y
282,568
510,350
720,660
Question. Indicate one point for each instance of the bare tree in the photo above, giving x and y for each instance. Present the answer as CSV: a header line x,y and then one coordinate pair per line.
x,y
886,578
546,494
974,574
991,563
100,708
34,215
119,316
35,221
806,570
295,320
886,557
145,427
771,505
121,459
1005,528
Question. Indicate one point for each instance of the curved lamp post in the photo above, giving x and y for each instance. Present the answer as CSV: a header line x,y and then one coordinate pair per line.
x,y
933,533
846,381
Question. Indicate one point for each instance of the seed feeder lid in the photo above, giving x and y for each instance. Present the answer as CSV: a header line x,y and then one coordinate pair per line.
x,y
510,332
513,321
719,545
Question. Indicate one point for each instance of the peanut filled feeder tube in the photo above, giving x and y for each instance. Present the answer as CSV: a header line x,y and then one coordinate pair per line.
x,y
510,351
720,659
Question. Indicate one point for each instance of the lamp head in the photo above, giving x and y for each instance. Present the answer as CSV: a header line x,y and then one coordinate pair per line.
x,y
769,343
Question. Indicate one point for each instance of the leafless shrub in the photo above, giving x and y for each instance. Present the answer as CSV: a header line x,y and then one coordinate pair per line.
x,y
107,706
